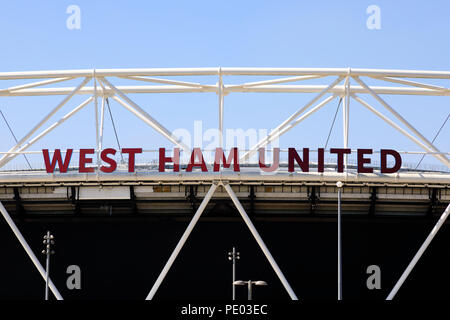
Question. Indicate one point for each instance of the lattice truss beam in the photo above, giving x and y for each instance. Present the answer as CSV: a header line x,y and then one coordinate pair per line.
x,y
346,83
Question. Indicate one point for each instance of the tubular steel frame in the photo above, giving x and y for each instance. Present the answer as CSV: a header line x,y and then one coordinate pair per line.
x,y
119,93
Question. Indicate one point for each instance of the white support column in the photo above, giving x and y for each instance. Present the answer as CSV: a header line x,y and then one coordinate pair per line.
x,y
28,250
406,123
345,118
102,120
5,158
419,253
220,94
97,134
182,241
263,142
143,115
260,241
396,126
102,115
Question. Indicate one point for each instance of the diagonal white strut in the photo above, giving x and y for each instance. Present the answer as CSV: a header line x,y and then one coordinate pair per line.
x,y
291,125
143,115
182,241
272,81
28,250
419,253
260,241
412,83
166,81
191,226
442,157
5,159
396,126
36,84
275,132
49,129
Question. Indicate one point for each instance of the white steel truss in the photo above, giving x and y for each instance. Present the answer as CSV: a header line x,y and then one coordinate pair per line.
x,y
286,82
49,83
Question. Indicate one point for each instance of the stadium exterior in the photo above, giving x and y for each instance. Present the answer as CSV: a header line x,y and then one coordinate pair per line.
x,y
128,232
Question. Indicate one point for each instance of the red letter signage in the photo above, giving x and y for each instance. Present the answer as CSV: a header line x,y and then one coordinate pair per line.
x,y
131,156
232,157
362,161
50,166
196,153
293,156
397,158
340,157
163,159
262,160
112,163
84,160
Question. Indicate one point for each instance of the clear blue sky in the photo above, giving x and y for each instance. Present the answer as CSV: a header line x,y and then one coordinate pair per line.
x,y
119,34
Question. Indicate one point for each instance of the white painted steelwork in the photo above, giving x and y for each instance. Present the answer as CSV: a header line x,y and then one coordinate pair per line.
x,y
29,252
52,81
36,80
419,253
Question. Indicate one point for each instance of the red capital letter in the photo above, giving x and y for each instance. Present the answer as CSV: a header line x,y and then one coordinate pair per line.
x,y
163,159
112,163
340,157
84,160
50,166
131,156
293,155
262,160
397,157
362,161
197,153
320,159
233,156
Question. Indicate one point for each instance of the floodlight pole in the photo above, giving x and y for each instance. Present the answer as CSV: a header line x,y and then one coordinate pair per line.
x,y
250,284
47,272
28,250
233,256
48,241
339,185
259,240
